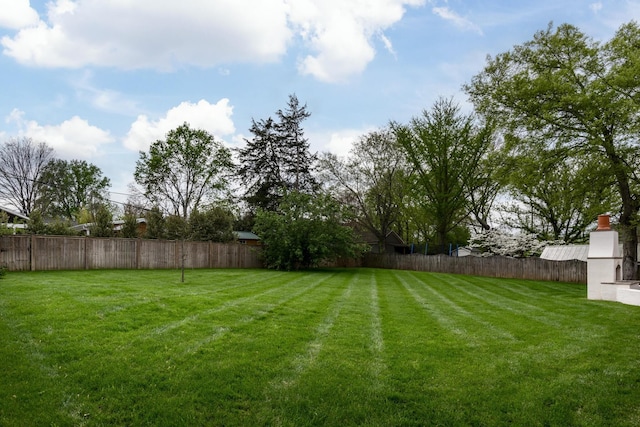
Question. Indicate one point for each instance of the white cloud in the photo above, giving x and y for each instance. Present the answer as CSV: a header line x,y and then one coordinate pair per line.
x,y
152,34
596,7
16,14
339,33
457,20
72,139
336,34
387,44
103,99
214,118
337,142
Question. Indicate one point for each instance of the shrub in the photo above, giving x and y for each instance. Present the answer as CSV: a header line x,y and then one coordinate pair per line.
x,y
306,231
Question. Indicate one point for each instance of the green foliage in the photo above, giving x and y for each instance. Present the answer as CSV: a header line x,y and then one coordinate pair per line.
x,y
580,97
373,180
130,226
446,149
55,226
213,224
4,224
277,158
102,225
556,197
36,224
244,222
156,228
186,169
305,231
69,186
59,227
176,227
3,271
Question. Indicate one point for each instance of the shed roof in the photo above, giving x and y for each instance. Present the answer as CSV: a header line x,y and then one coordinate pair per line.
x,y
246,235
565,252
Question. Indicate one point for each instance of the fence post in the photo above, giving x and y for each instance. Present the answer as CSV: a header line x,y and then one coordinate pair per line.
x,y
32,257
138,249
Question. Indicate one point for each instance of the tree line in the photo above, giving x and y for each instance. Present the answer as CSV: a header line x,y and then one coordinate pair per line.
x,y
551,143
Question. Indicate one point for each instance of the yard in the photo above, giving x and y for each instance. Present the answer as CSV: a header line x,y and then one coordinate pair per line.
x,y
331,347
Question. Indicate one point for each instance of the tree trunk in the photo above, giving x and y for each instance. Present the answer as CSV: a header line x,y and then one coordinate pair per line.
x,y
630,208
629,253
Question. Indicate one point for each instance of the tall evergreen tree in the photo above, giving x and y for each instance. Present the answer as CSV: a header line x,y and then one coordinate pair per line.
x,y
260,162
277,159
298,163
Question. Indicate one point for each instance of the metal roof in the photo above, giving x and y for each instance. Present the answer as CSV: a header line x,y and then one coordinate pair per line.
x,y
566,252
246,235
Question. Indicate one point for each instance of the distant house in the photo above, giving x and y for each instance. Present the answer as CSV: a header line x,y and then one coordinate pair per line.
x,y
465,251
393,243
117,227
247,238
15,219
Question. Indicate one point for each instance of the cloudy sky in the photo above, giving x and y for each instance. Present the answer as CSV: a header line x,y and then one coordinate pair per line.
x,y
101,80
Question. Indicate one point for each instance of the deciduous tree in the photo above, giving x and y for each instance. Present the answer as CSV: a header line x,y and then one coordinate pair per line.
x,y
372,179
22,162
213,224
556,197
578,95
184,170
69,186
445,149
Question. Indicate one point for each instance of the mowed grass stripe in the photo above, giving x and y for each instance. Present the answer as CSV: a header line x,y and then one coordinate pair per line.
x,y
257,302
559,320
484,296
221,356
343,363
461,307
359,347
250,310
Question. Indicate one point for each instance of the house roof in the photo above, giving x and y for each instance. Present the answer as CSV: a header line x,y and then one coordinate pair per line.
x,y
392,239
13,213
246,235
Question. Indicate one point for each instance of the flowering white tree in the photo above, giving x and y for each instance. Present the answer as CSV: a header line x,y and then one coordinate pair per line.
x,y
496,242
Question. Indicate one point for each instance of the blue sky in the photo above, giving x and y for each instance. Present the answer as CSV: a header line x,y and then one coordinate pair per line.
x,y
101,80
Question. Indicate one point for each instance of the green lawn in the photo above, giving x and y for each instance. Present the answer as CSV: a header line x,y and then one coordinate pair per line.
x,y
332,347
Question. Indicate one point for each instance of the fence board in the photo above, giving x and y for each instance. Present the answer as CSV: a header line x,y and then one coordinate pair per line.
x,y
110,253
35,252
502,267
15,254
24,252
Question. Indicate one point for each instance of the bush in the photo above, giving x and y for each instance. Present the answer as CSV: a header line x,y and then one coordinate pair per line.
x,y
306,231
3,272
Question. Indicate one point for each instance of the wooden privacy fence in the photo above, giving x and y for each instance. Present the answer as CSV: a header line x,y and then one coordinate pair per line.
x,y
573,271
35,252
